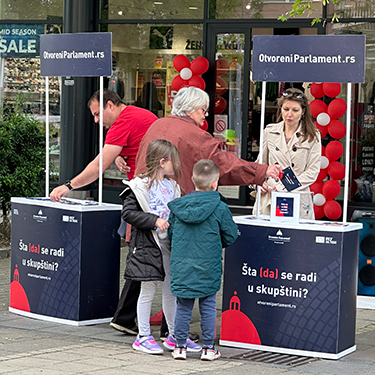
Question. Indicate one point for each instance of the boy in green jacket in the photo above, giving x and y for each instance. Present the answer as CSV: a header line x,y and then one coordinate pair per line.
x,y
200,226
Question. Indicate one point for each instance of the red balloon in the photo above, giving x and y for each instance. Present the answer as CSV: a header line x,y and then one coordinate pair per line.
x,y
331,189
323,129
221,86
178,82
356,170
334,150
317,106
180,62
336,108
332,210
205,125
197,81
318,212
220,105
322,175
222,66
331,89
199,65
316,90
336,170
316,187
336,129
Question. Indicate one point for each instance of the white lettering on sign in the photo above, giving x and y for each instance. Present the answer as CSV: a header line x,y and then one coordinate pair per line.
x,y
17,46
306,59
73,55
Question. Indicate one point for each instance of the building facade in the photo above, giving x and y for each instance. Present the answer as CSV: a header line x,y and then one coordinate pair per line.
x,y
146,37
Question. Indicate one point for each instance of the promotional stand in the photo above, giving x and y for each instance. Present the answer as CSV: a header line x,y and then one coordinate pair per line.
x,y
65,256
65,260
291,289
290,286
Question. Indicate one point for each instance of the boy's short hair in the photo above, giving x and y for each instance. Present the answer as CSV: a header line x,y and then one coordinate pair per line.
x,y
205,172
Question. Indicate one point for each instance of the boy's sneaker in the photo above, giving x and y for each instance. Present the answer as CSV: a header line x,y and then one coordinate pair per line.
x,y
179,353
210,354
170,343
148,345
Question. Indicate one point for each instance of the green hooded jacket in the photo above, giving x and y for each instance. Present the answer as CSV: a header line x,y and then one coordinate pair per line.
x,y
201,224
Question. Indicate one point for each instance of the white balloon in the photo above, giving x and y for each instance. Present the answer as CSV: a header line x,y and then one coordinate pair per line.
x,y
186,73
324,162
319,199
323,119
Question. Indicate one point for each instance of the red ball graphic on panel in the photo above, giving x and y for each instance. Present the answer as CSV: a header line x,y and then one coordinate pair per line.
x,y
236,326
18,298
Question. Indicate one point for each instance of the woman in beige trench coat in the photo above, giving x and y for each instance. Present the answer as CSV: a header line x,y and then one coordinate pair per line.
x,y
292,142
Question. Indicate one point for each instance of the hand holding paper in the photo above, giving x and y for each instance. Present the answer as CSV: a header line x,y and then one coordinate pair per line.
x,y
289,179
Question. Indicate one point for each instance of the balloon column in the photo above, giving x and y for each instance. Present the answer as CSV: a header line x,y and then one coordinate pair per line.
x,y
327,187
222,67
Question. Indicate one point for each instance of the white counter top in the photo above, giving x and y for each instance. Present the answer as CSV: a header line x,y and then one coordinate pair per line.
x,y
328,226
69,204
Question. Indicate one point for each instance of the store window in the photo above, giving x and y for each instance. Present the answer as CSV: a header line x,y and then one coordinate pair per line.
x,y
256,9
20,79
143,67
153,10
362,156
352,9
31,9
273,92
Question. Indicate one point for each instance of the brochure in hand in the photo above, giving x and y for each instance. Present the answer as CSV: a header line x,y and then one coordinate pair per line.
x,y
289,179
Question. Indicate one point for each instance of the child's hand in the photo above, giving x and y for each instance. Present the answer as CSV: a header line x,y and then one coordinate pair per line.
x,y
162,224
265,188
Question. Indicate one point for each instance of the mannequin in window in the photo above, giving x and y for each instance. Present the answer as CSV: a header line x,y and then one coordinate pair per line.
x,y
114,82
149,99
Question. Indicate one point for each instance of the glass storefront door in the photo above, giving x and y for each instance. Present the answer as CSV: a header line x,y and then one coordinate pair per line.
x,y
230,105
236,98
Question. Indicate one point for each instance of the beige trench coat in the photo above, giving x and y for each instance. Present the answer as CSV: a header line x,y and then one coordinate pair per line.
x,y
302,157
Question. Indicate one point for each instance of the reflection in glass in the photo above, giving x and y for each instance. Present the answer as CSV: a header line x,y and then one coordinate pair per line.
x,y
352,9
32,10
228,91
256,9
361,183
151,10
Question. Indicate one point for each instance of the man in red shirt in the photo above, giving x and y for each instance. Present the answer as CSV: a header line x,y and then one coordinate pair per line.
x,y
127,126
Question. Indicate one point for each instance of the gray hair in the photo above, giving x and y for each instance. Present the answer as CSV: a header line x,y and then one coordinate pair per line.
x,y
188,100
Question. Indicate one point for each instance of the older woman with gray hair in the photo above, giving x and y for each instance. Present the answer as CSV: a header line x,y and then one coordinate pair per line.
x,y
182,128
192,102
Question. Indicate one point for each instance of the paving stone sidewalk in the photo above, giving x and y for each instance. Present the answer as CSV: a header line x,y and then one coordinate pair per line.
x,y
30,346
